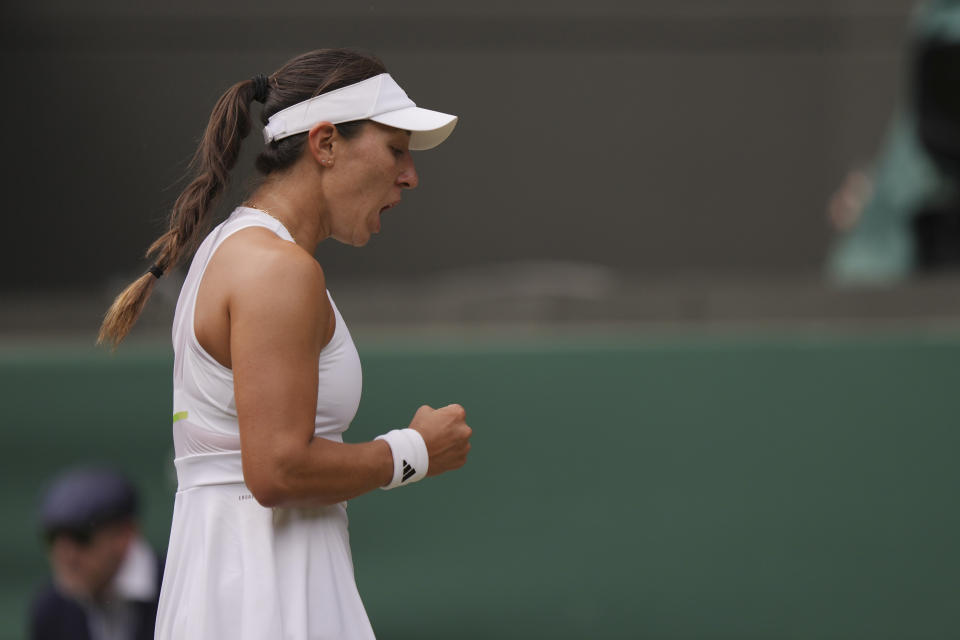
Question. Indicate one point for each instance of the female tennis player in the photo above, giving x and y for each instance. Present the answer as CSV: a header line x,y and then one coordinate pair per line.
x,y
266,375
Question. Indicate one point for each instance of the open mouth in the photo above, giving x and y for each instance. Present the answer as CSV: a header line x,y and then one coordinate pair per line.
x,y
389,206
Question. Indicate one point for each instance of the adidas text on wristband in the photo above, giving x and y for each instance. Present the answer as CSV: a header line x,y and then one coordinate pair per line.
x,y
410,458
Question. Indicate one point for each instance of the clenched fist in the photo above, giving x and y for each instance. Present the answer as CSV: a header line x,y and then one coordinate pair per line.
x,y
446,435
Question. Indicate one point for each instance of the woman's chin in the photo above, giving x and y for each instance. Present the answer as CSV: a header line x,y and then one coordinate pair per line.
x,y
361,240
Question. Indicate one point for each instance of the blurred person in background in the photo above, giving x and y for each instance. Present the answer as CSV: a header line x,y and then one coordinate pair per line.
x,y
903,217
106,577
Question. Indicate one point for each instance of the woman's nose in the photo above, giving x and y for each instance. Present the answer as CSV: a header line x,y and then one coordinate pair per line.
x,y
408,178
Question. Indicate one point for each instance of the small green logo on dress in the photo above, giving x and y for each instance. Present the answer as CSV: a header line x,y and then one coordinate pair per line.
x,y
179,415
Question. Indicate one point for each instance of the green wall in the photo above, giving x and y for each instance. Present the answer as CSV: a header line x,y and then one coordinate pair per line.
x,y
759,486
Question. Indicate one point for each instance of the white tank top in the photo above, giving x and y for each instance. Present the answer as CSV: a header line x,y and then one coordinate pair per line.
x,y
204,408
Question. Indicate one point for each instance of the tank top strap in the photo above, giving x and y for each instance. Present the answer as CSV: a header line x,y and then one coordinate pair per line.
x,y
243,217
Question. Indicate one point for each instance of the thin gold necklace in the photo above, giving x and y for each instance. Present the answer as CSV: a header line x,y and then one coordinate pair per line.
x,y
251,205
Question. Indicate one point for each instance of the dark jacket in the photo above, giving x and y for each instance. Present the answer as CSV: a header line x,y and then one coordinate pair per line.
x,y
54,616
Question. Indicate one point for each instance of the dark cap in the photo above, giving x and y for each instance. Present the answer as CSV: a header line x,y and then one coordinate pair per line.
x,y
84,499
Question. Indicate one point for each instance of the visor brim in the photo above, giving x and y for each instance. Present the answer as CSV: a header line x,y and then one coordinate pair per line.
x,y
427,128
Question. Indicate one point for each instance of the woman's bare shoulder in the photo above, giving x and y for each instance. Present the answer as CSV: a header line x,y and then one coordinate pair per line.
x,y
256,253
262,269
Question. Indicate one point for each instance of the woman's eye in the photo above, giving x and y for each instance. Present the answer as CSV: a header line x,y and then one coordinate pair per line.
x,y
397,152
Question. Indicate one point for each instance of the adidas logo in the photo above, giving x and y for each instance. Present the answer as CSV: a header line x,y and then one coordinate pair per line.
x,y
408,471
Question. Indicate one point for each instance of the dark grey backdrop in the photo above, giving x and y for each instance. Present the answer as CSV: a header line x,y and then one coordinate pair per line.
x,y
654,137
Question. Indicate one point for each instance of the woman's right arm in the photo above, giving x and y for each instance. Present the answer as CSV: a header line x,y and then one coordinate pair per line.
x,y
279,314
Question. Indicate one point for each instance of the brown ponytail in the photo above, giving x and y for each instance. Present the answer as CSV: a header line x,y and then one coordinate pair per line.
x,y
229,124
299,79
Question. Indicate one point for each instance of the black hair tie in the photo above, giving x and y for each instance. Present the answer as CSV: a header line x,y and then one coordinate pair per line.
x,y
261,86
156,270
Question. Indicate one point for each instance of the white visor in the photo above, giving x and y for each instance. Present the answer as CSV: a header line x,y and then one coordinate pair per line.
x,y
378,98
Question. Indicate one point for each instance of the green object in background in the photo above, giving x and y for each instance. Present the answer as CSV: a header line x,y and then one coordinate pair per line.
x,y
757,487
880,248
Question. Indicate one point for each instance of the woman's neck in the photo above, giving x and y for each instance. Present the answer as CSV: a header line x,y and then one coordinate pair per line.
x,y
293,201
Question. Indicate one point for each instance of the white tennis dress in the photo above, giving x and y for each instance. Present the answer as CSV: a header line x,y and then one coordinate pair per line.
x,y
236,570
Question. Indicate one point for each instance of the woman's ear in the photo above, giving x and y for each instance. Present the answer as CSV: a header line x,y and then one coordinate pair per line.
x,y
320,141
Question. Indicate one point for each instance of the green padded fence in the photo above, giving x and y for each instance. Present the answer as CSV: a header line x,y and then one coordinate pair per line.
x,y
786,486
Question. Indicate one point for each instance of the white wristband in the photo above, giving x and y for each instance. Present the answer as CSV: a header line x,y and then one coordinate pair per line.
x,y
410,458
